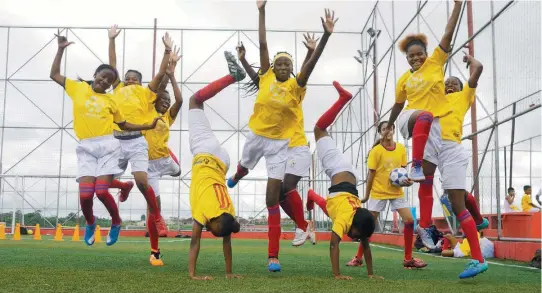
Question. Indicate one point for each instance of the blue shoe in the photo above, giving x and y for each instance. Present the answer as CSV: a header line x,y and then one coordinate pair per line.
x,y
416,173
113,235
89,234
231,182
483,225
273,267
473,268
425,237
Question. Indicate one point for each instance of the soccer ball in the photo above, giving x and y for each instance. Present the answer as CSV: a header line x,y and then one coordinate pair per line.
x,y
398,177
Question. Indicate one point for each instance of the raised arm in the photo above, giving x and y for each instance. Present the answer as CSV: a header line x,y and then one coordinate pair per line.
x,y
112,33
264,51
241,52
168,44
476,69
55,68
165,79
174,110
446,40
310,44
328,24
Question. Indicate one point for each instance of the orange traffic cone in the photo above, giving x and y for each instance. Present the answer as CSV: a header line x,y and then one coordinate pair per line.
x,y
17,233
75,236
37,232
97,235
58,233
2,232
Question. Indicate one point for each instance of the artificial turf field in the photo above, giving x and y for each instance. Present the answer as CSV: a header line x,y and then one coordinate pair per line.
x,y
48,266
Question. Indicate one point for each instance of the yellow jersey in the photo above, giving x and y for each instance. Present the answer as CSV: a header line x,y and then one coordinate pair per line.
x,y
526,203
158,138
276,107
341,208
460,102
135,102
299,138
209,197
424,88
383,161
94,114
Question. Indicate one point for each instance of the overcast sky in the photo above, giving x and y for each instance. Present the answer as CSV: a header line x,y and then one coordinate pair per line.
x,y
31,120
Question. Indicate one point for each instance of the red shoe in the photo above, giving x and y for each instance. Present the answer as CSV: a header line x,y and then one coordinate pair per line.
x,y
414,263
125,192
162,227
354,262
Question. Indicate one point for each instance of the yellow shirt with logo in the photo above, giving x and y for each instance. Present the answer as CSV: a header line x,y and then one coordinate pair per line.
x,y
209,197
94,114
135,102
452,125
383,161
424,88
158,138
276,107
341,208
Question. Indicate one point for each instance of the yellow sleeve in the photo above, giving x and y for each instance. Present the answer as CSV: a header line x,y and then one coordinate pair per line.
x,y
400,92
118,117
340,227
149,95
469,93
168,119
403,156
439,56
73,87
372,161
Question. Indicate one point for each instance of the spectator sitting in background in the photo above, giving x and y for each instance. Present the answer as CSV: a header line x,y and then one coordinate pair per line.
x,y
526,201
451,247
509,206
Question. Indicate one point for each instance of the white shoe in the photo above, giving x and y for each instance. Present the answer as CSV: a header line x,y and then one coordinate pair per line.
x,y
300,237
425,237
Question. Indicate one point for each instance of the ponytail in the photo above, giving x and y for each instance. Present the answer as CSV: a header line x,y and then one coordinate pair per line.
x,y
377,142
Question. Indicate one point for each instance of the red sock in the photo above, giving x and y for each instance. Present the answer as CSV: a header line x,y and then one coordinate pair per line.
x,y
470,203
240,173
445,244
102,192
295,207
273,223
320,201
408,234
213,88
86,196
420,133
330,115
172,155
118,184
153,231
425,195
469,229
152,204
359,255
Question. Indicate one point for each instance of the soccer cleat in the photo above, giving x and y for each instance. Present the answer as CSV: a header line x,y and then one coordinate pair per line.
x,y
414,263
355,262
113,235
473,268
89,234
124,193
231,182
425,237
155,259
235,70
312,237
300,237
416,173
273,265
483,225
162,227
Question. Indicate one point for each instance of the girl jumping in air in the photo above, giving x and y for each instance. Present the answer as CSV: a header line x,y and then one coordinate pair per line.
x,y
94,113
274,123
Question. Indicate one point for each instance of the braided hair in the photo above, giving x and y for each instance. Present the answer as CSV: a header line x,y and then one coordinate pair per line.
x,y
253,85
